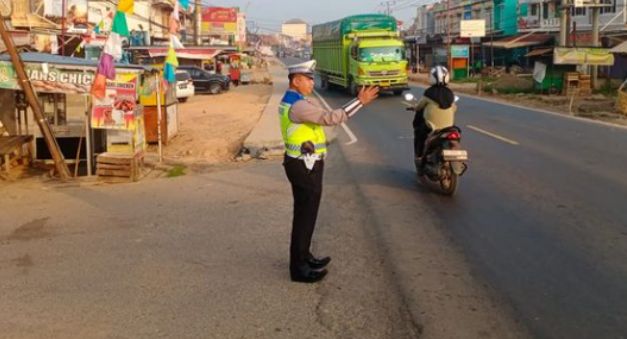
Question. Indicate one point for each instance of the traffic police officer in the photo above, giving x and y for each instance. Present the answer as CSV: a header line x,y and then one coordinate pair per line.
x,y
302,124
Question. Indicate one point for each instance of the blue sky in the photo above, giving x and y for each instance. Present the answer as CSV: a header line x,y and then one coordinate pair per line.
x,y
269,14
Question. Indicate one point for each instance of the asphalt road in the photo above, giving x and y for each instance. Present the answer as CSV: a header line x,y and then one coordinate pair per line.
x,y
540,216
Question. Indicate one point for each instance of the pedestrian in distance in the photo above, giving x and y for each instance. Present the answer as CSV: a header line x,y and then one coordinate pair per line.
x,y
302,124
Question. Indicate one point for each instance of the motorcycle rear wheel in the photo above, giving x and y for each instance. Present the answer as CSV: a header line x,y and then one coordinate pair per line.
x,y
448,184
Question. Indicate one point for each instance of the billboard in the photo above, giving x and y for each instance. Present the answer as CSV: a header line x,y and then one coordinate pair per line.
x,y
472,28
219,21
241,28
48,78
75,13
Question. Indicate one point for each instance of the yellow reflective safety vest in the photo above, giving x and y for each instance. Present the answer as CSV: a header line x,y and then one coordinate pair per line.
x,y
295,134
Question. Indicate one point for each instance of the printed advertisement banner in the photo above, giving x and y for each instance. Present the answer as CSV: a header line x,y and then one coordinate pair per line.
x,y
117,110
47,78
219,20
583,56
75,16
45,43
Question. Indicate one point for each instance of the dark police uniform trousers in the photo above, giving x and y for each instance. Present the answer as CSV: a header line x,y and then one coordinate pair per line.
x,y
307,191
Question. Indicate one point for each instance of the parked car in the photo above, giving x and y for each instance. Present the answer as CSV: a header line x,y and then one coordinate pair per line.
x,y
184,86
207,82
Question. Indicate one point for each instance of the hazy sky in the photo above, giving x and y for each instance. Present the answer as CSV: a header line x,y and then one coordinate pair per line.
x,y
269,14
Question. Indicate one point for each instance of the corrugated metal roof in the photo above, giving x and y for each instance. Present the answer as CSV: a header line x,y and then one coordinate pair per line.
x,y
620,48
521,40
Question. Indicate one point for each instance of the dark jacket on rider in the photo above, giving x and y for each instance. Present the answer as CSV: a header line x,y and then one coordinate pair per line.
x,y
436,110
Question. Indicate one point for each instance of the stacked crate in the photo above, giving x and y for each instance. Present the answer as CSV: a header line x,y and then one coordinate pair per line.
x,y
576,83
571,83
585,87
119,167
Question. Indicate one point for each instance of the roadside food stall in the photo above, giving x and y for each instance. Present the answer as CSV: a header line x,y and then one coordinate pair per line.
x,y
81,127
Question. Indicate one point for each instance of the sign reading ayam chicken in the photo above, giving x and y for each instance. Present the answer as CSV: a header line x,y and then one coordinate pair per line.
x,y
219,20
48,78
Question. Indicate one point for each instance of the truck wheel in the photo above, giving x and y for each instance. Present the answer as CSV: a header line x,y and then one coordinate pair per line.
x,y
352,88
324,83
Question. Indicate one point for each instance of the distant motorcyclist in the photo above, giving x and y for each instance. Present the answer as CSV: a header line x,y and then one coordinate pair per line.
x,y
435,110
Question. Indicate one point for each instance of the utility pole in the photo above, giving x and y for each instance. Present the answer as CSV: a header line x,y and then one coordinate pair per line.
x,y
197,22
492,37
448,28
63,19
55,151
595,42
563,24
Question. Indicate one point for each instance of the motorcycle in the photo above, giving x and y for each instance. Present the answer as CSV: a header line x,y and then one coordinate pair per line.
x,y
443,160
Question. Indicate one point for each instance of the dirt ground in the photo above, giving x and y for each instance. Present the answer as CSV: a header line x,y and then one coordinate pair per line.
x,y
213,127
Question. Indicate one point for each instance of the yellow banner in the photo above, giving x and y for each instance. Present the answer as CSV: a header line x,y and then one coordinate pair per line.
x,y
583,56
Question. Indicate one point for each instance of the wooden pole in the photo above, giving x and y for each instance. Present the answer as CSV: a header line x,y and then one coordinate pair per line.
x,y
160,142
63,20
46,131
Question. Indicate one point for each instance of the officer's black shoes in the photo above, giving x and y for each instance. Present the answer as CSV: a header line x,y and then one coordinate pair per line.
x,y
307,275
318,263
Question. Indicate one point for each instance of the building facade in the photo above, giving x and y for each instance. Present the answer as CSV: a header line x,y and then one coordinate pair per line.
x,y
296,29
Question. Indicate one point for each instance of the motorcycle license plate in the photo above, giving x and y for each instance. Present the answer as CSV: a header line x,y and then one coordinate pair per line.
x,y
454,155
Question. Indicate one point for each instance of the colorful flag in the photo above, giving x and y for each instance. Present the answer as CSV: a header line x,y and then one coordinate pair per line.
x,y
106,66
169,73
113,46
171,57
119,24
126,6
176,43
99,87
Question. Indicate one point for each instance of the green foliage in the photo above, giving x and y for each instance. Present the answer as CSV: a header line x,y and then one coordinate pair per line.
x,y
176,171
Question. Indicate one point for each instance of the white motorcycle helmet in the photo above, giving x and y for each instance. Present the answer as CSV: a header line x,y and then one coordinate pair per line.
x,y
439,76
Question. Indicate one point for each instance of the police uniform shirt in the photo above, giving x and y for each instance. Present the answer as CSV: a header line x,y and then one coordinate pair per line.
x,y
305,111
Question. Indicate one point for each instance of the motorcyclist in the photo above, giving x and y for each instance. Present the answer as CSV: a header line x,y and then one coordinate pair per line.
x,y
435,110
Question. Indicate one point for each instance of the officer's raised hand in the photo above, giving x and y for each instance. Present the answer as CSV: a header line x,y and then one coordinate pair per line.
x,y
368,94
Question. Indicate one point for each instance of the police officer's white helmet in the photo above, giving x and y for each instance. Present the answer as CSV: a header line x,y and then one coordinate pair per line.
x,y
439,76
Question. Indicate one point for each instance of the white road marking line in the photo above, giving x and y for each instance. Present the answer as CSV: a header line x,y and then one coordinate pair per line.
x,y
495,136
346,129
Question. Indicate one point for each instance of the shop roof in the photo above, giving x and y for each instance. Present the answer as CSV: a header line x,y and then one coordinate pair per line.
x,y
540,52
620,48
521,40
64,60
186,53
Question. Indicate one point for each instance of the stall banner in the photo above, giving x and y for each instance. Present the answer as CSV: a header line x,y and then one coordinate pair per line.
x,y
117,109
219,20
583,56
47,78
75,17
241,28
45,43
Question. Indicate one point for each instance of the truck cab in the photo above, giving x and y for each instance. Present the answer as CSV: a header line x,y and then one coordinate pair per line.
x,y
378,62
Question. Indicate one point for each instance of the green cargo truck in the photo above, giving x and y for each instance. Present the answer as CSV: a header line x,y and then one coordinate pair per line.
x,y
361,50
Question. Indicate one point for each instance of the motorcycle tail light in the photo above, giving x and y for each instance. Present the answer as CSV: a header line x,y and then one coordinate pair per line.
x,y
453,136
